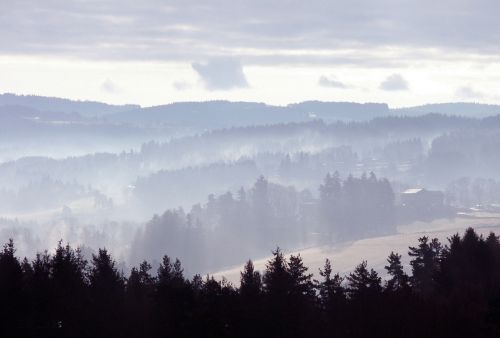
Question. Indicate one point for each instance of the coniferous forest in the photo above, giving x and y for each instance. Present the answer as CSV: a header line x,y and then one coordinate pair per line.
x,y
448,290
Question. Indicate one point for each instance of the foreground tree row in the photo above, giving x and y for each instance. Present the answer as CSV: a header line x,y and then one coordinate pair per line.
x,y
452,291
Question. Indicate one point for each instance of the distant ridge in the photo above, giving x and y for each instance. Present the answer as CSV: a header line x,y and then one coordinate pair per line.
x,y
467,109
60,105
225,114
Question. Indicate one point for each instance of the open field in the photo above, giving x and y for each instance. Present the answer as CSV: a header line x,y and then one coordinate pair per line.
x,y
345,256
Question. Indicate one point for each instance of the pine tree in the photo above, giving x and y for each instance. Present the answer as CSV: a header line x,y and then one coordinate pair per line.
x,y
173,296
330,199
104,277
140,283
399,279
276,277
107,294
11,289
362,282
140,299
330,288
68,272
300,281
250,281
425,264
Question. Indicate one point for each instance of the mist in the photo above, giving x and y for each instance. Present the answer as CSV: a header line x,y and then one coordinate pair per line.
x,y
189,179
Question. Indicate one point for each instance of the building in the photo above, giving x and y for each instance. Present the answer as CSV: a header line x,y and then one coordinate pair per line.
x,y
422,201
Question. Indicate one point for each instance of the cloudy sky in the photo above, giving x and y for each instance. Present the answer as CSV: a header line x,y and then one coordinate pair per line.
x,y
277,51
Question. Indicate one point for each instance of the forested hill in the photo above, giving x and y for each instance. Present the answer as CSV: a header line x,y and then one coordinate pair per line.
x,y
221,114
60,105
452,108
451,291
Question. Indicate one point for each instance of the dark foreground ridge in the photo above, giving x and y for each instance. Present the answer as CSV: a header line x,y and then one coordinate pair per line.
x,y
453,291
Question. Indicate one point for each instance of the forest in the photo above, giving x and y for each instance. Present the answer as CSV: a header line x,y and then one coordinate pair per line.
x,y
144,188
233,228
448,290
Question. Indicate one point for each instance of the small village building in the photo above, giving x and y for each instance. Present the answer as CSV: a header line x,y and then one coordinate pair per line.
x,y
422,200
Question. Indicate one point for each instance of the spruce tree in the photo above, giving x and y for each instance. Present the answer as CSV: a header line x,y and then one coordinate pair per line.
x,y
399,279
425,264
363,282
330,288
300,281
250,281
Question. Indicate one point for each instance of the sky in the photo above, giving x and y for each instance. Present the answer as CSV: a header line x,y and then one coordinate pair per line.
x,y
153,52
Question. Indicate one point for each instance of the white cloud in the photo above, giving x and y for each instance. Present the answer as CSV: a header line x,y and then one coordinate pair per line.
x,y
394,82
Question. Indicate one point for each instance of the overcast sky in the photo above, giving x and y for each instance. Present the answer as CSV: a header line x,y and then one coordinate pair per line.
x,y
277,51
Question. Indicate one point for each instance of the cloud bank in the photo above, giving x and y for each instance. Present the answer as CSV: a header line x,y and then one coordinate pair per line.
x,y
253,31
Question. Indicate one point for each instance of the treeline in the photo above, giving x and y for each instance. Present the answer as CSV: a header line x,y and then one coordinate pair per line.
x,y
226,145
469,192
452,291
47,193
233,227
461,153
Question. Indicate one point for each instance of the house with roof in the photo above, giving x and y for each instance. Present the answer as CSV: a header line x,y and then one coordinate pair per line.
x,y
423,202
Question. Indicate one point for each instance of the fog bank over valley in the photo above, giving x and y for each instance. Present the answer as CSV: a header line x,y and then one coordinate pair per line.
x,y
237,179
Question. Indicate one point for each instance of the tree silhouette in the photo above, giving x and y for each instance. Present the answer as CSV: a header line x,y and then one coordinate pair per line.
x,y
330,288
363,283
301,283
68,274
173,297
107,289
11,288
399,279
250,282
139,295
276,279
60,295
251,300
424,264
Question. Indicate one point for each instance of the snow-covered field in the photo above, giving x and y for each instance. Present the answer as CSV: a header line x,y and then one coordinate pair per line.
x,y
345,256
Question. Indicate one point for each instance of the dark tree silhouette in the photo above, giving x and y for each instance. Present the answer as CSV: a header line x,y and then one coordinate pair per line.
x,y
363,282
107,288
68,272
62,296
250,282
11,289
330,289
424,264
399,280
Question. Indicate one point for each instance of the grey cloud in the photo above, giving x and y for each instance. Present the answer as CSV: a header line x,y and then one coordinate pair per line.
x,y
324,81
189,30
394,82
468,93
221,74
181,85
109,86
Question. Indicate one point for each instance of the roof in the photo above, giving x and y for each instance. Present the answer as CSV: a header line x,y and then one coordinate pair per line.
x,y
413,191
